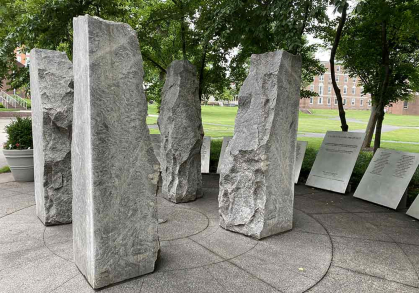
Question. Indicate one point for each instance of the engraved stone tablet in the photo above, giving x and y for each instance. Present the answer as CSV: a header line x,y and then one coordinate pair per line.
x,y
226,140
387,177
52,115
299,157
114,168
413,211
335,161
205,154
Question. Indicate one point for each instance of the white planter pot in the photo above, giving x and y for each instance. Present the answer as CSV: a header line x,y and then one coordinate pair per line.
x,y
20,163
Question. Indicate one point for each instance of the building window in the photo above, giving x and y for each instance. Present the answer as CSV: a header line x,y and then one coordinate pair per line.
x,y
311,100
321,90
405,104
336,101
312,88
353,90
329,89
337,78
321,78
361,102
19,58
338,69
353,102
345,89
344,101
320,101
369,103
328,101
354,80
346,78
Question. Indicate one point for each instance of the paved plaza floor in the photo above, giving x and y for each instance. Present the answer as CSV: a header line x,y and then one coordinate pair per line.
x,y
338,244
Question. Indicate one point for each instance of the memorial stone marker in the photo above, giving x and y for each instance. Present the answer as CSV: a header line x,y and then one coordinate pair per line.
x,y
51,77
335,161
182,133
114,168
257,174
226,140
205,154
387,177
299,157
413,211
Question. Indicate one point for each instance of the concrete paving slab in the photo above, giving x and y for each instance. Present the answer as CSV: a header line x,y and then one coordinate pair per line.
x,y
339,280
352,226
12,204
384,260
375,251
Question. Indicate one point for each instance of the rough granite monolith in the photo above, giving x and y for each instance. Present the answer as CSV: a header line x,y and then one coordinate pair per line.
x,y
181,134
257,174
51,78
115,171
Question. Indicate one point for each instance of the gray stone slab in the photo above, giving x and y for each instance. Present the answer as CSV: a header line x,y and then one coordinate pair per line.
x,y
257,174
390,219
115,170
156,142
375,258
387,177
313,206
299,157
339,280
205,154
335,161
226,140
182,134
52,94
413,210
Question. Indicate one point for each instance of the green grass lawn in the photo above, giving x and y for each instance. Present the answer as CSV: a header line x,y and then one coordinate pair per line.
x,y
8,110
219,122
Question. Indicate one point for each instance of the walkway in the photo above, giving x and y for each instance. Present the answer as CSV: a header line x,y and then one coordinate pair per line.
x,y
338,244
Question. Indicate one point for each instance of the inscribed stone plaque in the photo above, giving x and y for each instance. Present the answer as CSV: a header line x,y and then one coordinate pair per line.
x,y
226,140
413,211
387,177
335,161
299,157
205,154
115,170
52,114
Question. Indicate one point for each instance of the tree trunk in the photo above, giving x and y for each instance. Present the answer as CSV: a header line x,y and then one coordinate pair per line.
x,y
380,118
201,71
383,91
369,132
342,117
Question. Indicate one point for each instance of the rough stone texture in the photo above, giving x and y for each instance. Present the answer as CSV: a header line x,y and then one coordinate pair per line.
x,y
181,134
115,171
52,95
257,174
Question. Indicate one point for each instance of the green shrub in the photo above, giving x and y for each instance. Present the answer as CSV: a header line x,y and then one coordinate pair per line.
x,y
5,169
360,168
1,105
19,134
215,153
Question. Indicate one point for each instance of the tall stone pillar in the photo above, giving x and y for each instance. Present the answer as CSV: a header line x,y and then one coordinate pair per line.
x,y
51,77
256,183
181,134
115,171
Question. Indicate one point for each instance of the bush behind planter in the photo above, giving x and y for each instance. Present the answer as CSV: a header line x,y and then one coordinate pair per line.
x,y
19,134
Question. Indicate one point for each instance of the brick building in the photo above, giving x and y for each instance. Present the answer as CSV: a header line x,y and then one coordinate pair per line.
x,y
351,91
405,107
22,60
